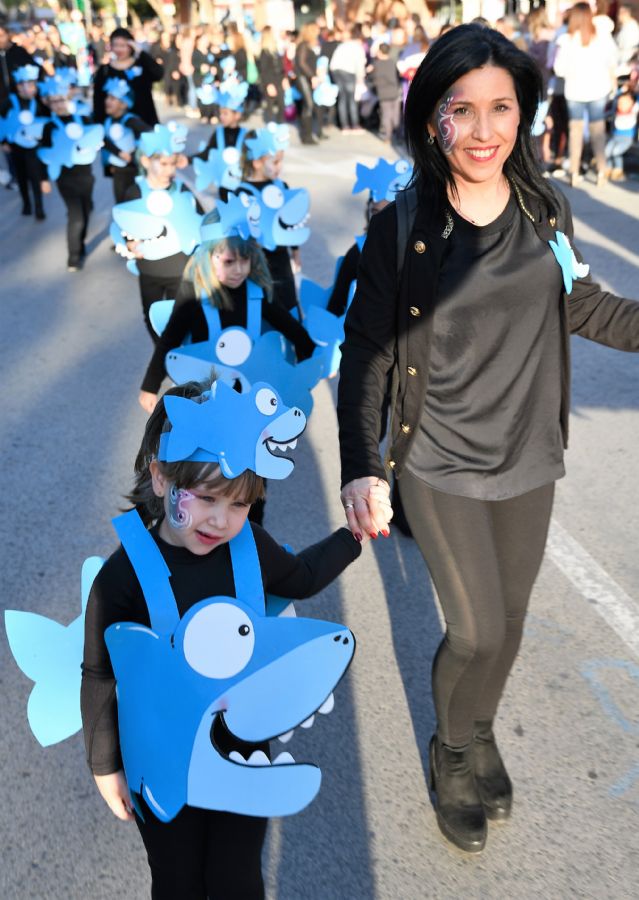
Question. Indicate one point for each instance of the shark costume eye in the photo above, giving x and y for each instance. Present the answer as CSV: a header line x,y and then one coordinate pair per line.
x,y
266,402
272,197
25,117
116,131
233,347
231,155
402,166
74,130
159,203
219,641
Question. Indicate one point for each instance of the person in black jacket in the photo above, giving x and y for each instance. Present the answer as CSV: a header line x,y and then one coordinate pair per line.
x,y
272,80
11,57
140,70
476,333
306,81
385,79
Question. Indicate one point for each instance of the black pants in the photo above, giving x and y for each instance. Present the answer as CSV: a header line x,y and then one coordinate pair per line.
x,y
204,854
346,105
307,109
123,178
76,191
483,557
274,106
28,173
156,287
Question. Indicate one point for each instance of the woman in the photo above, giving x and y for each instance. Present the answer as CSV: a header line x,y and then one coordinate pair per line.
x,y
586,59
306,80
476,330
140,70
348,70
272,80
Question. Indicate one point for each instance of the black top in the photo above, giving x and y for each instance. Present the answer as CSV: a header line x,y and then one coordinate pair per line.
x,y
188,318
116,596
230,138
136,125
490,425
12,58
346,275
270,68
385,79
140,86
305,61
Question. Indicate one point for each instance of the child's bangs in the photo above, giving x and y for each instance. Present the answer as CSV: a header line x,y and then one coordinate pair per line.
x,y
248,486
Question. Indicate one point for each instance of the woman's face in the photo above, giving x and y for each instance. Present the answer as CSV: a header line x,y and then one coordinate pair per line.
x,y
231,269
121,48
475,124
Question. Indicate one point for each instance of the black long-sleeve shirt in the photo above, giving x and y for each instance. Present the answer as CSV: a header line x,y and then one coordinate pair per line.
x,y
188,318
141,86
116,596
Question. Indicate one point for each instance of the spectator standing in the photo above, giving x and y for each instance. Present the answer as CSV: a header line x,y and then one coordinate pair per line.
x,y
385,79
627,37
586,59
272,80
306,80
348,69
11,57
140,70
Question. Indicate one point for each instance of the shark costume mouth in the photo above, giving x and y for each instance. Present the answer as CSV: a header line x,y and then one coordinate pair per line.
x,y
293,226
240,753
280,448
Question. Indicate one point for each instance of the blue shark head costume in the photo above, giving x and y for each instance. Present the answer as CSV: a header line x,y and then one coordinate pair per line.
x,y
268,141
206,93
384,179
164,140
26,73
120,89
283,213
236,664
54,86
231,94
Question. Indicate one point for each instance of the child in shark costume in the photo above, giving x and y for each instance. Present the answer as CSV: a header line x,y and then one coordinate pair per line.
x,y
158,225
22,118
70,143
262,160
204,676
122,131
218,162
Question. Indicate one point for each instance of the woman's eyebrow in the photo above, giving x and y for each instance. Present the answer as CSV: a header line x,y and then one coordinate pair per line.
x,y
455,100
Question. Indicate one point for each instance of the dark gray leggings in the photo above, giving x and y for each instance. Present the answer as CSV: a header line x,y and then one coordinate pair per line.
x,y
483,557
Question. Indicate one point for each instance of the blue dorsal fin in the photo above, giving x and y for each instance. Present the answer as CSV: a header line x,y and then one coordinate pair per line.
x,y
212,316
254,297
151,570
247,573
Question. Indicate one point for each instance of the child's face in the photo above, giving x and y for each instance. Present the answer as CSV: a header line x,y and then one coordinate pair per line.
x,y
231,269
199,519
160,169
229,118
59,105
26,89
270,166
114,107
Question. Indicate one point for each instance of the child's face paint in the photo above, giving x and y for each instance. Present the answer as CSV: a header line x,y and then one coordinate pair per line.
x,y
476,124
201,519
178,512
446,127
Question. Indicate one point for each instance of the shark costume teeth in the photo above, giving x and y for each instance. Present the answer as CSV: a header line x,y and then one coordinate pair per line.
x,y
268,141
164,140
384,179
120,89
26,73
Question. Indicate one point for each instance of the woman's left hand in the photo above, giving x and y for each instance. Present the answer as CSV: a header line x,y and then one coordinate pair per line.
x,y
367,506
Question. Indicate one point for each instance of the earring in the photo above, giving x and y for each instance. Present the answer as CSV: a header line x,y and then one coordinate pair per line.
x,y
430,139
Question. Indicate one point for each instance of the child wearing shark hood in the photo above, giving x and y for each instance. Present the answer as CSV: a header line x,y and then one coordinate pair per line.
x,y
198,470
22,118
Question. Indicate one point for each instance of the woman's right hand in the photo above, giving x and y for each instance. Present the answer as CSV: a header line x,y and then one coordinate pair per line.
x,y
367,506
115,793
147,401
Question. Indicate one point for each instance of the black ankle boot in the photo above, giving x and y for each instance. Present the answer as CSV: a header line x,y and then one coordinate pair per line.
x,y
26,209
460,814
494,786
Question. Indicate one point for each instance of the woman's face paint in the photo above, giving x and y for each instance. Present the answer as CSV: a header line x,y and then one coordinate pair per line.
x,y
446,125
179,502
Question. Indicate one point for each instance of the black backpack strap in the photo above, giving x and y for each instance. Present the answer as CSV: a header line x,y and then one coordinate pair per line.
x,y
406,205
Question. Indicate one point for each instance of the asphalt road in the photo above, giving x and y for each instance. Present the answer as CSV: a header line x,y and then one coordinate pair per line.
x,y
72,352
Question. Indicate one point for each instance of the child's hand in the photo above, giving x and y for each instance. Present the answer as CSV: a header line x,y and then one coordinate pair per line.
x,y
125,156
115,793
45,187
148,401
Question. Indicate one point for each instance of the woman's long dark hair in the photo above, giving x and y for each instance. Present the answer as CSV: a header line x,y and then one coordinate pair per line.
x,y
450,57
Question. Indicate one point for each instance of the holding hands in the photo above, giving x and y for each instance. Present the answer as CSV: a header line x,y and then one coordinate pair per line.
x,y
367,506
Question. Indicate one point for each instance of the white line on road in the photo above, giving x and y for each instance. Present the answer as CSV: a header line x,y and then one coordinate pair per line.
x,y
614,605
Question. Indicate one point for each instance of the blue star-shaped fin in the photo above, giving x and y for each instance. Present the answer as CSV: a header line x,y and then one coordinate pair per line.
x,y
571,268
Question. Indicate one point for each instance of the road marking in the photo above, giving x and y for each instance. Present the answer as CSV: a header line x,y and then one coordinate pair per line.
x,y
614,605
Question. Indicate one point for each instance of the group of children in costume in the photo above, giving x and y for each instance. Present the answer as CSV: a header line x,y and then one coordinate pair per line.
x,y
209,666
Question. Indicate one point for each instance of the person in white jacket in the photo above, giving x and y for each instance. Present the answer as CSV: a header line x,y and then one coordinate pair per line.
x,y
586,59
347,68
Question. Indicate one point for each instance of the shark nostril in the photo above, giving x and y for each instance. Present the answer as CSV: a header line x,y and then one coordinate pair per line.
x,y
336,638
345,640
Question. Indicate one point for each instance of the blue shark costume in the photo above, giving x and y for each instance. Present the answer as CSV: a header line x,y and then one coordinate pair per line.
x,y
121,135
219,161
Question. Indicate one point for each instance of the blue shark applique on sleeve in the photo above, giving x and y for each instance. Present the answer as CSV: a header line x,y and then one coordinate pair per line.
x,y
571,269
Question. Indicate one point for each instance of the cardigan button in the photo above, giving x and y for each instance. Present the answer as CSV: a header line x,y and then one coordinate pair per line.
x,y
406,429
420,247
411,370
415,311
391,463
